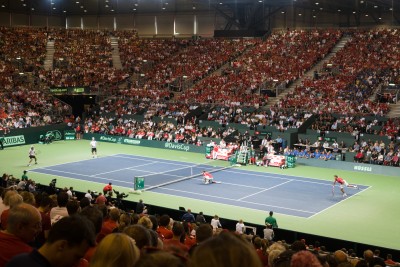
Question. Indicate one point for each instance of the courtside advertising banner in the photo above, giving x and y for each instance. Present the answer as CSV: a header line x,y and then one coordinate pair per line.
x,y
14,140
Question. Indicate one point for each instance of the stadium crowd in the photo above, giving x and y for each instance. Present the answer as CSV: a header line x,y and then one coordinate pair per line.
x,y
31,218
92,223
82,58
282,58
235,92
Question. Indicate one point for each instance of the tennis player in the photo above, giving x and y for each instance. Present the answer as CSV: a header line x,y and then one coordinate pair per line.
x,y
208,178
342,183
32,155
93,144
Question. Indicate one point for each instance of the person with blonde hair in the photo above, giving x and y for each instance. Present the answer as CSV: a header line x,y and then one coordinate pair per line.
x,y
146,222
225,249
107,255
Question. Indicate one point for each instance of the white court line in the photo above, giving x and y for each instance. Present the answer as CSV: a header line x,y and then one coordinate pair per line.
x,y
157,161
281,178
71,162
127,168
266,189
212,196
83,175
343,199
134,158
157,173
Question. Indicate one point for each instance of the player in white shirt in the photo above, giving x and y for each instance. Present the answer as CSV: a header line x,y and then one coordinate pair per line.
x,y
32,155
93,144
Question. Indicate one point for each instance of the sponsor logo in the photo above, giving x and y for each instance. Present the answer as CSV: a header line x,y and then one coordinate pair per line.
x,y
177,146
363,168
14,140
131,141
56,133
108,139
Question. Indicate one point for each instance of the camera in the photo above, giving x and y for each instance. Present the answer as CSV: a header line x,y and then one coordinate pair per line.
x,y
119,195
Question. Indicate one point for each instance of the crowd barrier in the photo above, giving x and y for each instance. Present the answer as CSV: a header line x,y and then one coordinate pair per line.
x,y
146,143
31,135
26,136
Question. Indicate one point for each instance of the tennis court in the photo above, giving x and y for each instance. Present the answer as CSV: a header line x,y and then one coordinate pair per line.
x,y
301,198
290,195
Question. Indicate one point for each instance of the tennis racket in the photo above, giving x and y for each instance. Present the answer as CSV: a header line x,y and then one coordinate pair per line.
x,y
333,190
38,152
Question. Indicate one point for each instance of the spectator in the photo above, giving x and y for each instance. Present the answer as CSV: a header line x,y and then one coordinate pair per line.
x,y
203,232
175,244
109,224
159,258
44,209
140,234
94,215
69,239
24,223
389,260
268,232
60,211
215,223
340,256
13,201
240,228
188,217
101,199
225,250
89,196
200,218
163,231
106,254
261,249
304,258
73,207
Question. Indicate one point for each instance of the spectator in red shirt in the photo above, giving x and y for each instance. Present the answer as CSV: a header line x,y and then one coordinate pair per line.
x,y
24,223
109,224
175,244
163,231
101,199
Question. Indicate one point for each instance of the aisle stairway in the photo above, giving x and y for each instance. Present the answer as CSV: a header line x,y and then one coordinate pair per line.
x,y
309,74
48,61
394,110
116,59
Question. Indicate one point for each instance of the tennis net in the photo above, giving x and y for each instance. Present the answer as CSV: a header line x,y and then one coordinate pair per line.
x,y
181,174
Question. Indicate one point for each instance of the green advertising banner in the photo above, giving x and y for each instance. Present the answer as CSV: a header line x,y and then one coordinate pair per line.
x,y
69,135
14,140
145,143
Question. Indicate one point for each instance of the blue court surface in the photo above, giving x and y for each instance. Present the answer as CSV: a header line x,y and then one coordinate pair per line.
x,y
291,195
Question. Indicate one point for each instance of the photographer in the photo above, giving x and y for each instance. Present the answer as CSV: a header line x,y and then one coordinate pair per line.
x,y
52,187
118,199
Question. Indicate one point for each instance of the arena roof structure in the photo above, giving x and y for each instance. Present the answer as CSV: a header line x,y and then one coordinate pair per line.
x,y
75,7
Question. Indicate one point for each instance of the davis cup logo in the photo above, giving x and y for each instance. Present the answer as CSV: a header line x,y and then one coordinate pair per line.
x,y
56,133
177,146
